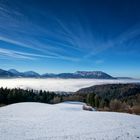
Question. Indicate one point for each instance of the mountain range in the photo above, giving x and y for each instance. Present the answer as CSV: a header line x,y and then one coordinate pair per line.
x,y
79,74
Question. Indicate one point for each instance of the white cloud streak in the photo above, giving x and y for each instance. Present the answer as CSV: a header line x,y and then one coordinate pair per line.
x,y
27,34
17,54
121,39
55,41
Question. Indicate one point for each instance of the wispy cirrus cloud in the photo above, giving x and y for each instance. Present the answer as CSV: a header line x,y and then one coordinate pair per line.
x,y
55,37
117,42
27,56
58,39
19,55
17,29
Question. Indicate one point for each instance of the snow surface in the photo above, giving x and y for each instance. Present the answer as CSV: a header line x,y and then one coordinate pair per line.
x,y
67,85
65,121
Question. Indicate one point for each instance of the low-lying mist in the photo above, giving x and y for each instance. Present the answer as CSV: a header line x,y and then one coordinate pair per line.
x,y
66,85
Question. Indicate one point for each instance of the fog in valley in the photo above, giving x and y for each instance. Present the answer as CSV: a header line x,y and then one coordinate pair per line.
x,y
66,85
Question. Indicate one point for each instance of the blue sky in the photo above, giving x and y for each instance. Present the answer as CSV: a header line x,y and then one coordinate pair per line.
x,y
69,35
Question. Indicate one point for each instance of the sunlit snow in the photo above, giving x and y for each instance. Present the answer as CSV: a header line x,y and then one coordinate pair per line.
x,y
65,121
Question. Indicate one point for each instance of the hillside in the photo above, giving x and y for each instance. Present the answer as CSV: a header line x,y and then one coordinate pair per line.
x,y
112,91
65,121
4,73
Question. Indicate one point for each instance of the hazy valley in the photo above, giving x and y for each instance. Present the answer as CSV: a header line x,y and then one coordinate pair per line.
x,y
57,84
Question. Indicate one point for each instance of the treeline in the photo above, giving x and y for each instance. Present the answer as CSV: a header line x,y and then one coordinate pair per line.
x,y
107,98
16,95
131,104
113,97
9,96
114,104
111,91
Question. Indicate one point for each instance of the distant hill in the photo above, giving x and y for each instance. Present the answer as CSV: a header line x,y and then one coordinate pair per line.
x,y
24,74
48,75
78,74
82,74
30,74
112,91
4,73
94,74
15,72
124,78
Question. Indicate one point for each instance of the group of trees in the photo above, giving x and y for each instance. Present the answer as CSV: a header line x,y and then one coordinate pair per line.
x,y
9,96
130,104
113,97
96,101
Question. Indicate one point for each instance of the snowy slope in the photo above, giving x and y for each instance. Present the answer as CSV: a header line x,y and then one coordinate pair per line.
x,y
37,121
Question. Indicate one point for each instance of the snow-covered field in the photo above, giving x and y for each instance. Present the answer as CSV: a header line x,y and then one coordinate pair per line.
x,y
68,85
65,121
